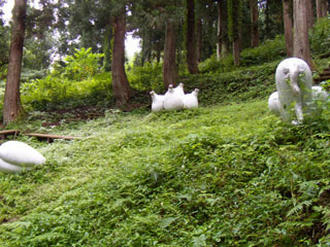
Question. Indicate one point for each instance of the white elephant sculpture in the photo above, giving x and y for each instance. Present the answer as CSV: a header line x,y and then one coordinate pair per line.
x,y
294,86
318,95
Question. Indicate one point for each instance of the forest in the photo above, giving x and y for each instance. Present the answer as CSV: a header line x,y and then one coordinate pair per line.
x,y
228,173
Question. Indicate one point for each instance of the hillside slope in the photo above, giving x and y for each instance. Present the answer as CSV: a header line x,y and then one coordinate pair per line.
x,y
229,175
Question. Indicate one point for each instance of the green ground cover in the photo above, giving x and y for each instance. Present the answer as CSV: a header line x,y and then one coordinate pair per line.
x,y
222,175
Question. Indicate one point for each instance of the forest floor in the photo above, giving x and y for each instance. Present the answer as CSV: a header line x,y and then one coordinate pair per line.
x,y
229,175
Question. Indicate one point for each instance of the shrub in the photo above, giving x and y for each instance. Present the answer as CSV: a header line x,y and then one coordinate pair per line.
x,y
320,37
147,77
267,52
51,92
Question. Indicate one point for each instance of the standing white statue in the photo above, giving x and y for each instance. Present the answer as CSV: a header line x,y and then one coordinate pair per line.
x,y
294,86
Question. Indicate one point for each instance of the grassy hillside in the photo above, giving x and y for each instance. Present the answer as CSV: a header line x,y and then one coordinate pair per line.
x,y
222,175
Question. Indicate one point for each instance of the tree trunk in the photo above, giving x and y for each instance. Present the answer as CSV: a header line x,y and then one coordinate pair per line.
x,y
235,27
191,38
288,34
236,51
321,8
301,42
107,48
222,44
254,23
219,31
12,107
310,14
169,67
120,86
199,38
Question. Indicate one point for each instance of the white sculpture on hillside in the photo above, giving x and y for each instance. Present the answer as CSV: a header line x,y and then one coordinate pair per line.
x,y
190,100
294,86
157,101
174,99
318,95
16,155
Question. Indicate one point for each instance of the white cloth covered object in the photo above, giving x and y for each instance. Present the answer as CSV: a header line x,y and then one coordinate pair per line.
x,y
157,101
179,89
9,168
190,100
173,100
20,154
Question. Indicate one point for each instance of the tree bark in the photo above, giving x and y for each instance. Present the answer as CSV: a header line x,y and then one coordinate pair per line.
x,y
120,86
107,48
288,34
254,23
236,51
199,38
222,44
301,46
12,107
310,14
219,31
321,8
169,67
191,38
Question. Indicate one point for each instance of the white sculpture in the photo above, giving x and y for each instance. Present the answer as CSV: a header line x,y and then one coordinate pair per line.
x,y
172,99
191,100
179,89
318,94
274,104
19,154
157,101
9,168
294,86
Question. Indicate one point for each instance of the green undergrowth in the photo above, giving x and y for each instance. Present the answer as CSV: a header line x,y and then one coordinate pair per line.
x,y
224,175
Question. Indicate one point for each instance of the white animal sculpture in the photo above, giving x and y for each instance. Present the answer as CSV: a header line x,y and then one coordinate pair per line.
x,y
9,168
20,154
318,94
191,100
172,100
157,101
294,86
179,89
274,104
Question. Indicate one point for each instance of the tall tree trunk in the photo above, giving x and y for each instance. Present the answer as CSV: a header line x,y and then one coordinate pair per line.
x,y
169,67
224,30
107,48
287,19
12,107
191,38
120,86
235,27
223,44
236,51
199,38
219,31
310,14
254,23
301,46
321,8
